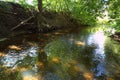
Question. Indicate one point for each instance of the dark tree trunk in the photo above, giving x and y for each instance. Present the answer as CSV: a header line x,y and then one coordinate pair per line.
x,y
40,5
39,16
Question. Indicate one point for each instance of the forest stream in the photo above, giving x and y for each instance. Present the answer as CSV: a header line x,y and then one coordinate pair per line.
x,y
69,54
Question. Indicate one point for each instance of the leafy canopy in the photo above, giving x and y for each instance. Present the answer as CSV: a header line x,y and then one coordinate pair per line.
x,y
84,11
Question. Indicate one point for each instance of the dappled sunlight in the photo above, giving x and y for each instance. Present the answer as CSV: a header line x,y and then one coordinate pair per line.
x,y
40,64
104,19
23,69
74,67
56,60
79,43
14,47
76,42
77,68
65,57
2,54
29,75
88,76
74,70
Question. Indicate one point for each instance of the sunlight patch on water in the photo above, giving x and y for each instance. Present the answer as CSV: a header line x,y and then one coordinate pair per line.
x,y
79,43
2,54
14,47
29,75
56,60
88,76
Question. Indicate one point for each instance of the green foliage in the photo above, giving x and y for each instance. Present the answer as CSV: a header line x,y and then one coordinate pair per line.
x,y
85,11
25,3
114,12
81,10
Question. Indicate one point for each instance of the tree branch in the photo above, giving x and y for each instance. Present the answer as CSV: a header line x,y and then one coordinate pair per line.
x,y
21,23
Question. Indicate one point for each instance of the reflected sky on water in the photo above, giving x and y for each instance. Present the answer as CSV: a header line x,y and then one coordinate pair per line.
x,y
78,55
97,40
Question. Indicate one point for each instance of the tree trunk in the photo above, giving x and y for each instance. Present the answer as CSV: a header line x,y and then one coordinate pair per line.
x,y
40,5
39,16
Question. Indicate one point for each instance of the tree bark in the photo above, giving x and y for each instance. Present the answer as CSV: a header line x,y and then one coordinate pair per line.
x,y
39,16
40,5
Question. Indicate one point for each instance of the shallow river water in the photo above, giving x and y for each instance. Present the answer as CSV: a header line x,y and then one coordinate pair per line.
x,y
74,54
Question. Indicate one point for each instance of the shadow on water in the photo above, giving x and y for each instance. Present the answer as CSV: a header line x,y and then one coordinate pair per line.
x,y
81,54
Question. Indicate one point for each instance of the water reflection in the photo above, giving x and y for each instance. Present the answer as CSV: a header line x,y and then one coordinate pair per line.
x,y
81,55
14,57
97,40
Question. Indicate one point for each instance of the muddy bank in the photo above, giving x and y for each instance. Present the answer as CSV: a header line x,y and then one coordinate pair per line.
x,y
11,14
15,19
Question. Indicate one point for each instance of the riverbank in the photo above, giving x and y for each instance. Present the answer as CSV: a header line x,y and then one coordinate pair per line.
x,y
15,19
